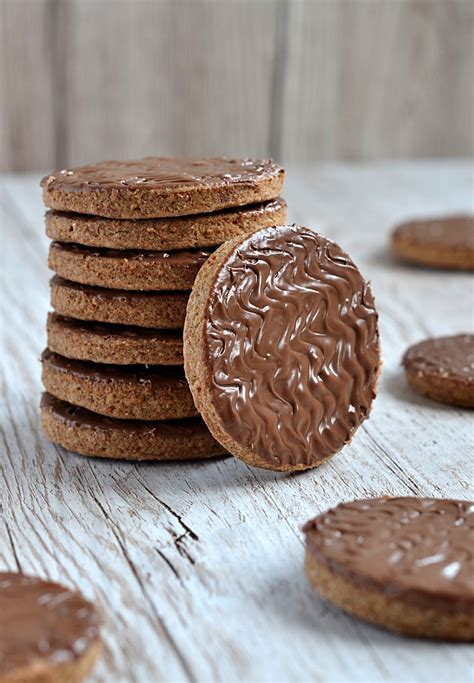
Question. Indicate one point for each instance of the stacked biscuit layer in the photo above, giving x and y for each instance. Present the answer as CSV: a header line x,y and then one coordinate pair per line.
x,y
125,259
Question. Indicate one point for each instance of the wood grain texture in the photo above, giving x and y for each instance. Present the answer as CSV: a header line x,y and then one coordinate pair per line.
x,y
372,79
300,80
27,85
179,78
198,568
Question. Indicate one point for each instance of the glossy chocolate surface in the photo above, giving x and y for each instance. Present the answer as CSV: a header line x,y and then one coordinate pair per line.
x,y
76,417
155,375
448,357
293,349
181,257
453,232
419,549
161,172
40,620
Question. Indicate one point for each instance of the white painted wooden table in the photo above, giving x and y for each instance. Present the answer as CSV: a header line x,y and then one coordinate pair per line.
x,y
199,567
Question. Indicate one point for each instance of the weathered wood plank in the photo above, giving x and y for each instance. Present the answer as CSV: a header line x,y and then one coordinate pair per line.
x,y
302,80
27,91
198,567
179,78
372,79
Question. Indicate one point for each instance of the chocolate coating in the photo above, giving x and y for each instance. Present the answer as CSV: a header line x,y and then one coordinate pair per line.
x,y
187,257
40,620
448,231
417,549
293,347
154,375
160,172
115,330
74,416
447,357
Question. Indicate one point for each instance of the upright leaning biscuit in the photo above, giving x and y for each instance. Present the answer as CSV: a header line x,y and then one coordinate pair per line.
x,y
443,369
402,563
281,347
163,234
156,187
445,242
48,634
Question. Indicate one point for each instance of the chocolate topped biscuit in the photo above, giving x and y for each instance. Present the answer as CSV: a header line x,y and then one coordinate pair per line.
x,y
109,343
158,186
403,563
47,632
281,347
162,234
445,242
124,391
89,433
443,368
127,269
162,310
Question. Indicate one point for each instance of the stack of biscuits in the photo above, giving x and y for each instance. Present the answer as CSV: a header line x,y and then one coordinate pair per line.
x,y
128,241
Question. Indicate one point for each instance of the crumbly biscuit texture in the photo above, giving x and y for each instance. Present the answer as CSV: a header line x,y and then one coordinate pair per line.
x,y
161,310
82,431
164,234
116,344
121,391
129,269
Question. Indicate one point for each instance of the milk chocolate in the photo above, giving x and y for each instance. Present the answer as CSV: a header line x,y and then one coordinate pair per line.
x,y
292,344
160,172
186,257
446,231
42,621
74,416
415,549
447,357
155,375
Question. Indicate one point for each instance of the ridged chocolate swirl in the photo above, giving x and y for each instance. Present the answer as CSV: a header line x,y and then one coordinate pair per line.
x,y
40,620
293,346
418,549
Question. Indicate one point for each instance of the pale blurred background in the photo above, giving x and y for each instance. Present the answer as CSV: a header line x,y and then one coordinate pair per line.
x,y
299,80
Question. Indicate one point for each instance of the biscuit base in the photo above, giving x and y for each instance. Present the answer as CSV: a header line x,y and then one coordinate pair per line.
x,y
162,234
388,612
161,310
433,256
127,392
146,202
113,344
443,389
121,271
43,671
87,433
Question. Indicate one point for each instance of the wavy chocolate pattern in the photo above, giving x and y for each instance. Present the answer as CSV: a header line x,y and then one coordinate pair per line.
x,y
293,346
420,548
